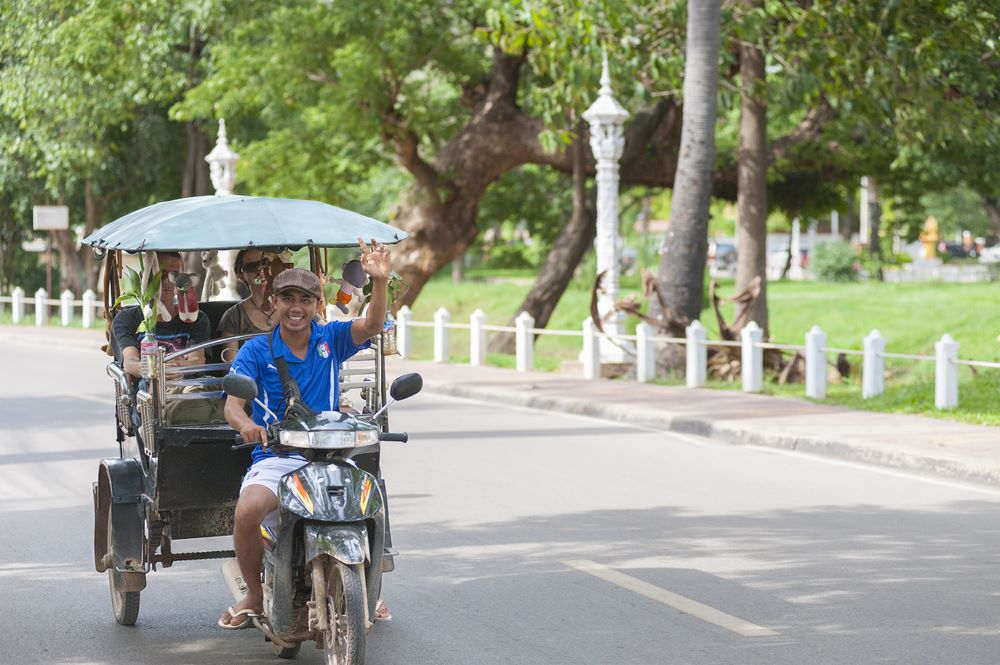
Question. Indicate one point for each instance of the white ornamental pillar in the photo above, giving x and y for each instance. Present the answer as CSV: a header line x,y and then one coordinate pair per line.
x,y
945,373
66,307
752,358
606,118
404,331
441,342
222,169
41,307
89,303
17,304
477,339
795,249
524,342
816,363
873,370
834,224
697,355
591,351
645,353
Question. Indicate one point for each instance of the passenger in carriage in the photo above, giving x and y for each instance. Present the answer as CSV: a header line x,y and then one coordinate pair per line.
x,y
256,313
172,332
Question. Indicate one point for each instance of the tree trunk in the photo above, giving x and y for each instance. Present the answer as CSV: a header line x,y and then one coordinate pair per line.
x,y
566,254
751,199
95,212
682,261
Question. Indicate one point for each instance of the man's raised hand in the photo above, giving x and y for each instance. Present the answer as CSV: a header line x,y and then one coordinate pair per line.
x,y
375,260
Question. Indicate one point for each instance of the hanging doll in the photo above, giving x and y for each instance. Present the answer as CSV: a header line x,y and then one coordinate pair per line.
x,y
215,274
353,278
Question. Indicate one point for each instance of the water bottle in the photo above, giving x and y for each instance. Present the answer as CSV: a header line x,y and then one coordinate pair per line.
x,y
389,336
147,356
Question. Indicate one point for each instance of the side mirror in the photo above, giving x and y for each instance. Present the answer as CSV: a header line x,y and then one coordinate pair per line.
x,y
240,386
406,386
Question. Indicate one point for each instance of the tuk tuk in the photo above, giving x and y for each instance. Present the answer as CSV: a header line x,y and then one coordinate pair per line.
x,y
172,482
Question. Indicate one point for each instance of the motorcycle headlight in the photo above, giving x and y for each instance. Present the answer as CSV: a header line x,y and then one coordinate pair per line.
x,y
329,440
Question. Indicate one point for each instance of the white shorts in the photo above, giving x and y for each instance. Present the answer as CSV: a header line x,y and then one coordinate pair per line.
x,y
269,471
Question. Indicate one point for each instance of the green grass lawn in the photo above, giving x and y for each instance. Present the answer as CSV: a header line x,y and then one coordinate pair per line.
x,y
912,317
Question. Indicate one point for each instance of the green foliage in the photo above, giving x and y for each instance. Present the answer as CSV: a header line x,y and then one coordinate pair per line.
x,y
144,296
835,262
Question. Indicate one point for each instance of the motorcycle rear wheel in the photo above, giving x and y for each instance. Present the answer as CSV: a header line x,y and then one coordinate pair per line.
x,y
344,642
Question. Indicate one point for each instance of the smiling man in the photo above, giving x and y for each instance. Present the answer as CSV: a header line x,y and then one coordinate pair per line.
x,y
313,353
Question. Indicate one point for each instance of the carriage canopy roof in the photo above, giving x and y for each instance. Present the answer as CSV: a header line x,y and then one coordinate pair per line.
x,y
235,222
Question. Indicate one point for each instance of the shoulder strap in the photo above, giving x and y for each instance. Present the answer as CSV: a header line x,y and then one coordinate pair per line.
x,y
293,398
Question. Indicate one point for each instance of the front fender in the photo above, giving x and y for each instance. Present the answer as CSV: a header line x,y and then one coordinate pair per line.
x,y
119,487
347,544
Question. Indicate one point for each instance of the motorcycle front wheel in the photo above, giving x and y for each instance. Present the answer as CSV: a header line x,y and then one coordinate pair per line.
x,y
344,642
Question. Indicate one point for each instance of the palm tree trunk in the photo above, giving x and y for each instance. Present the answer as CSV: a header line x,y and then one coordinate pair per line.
x,y
751,198
682,260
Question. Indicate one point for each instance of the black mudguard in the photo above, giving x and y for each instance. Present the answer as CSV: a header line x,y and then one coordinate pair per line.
x,y
120,486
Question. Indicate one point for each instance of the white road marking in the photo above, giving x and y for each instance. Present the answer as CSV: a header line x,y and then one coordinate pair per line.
x,y
671,599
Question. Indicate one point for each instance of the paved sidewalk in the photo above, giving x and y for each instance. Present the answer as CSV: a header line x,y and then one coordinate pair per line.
x,y
914,443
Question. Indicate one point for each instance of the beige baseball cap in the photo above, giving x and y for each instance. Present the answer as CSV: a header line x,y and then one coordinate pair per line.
x,y
297,278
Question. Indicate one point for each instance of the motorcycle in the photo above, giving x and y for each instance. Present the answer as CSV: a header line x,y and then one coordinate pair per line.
x,y
323,555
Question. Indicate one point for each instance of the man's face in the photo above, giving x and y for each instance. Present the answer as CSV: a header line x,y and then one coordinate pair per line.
x,y
295,309
168,264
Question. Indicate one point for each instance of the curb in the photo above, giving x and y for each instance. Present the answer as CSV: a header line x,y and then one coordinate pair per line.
x,y
853,451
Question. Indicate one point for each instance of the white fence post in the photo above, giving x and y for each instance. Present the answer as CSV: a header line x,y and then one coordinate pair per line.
x,y
873,370
946,373
816,363
477,339
89,302
591,350
404,331
441,319
523,342
752,358
41,307
697,355
17,304
645,352
66,307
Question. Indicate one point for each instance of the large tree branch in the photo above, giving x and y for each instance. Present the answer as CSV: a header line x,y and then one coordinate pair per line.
x,y
408,154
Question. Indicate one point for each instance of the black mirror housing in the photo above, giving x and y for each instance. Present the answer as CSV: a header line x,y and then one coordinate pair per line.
x,y
406,386
240,386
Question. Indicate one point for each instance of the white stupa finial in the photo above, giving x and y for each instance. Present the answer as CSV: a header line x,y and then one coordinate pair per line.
x,y
605,74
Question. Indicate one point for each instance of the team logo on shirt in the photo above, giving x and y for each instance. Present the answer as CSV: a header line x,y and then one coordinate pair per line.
x,y
323,349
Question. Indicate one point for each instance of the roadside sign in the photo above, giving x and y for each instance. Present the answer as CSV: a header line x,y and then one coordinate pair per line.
x,y
51,218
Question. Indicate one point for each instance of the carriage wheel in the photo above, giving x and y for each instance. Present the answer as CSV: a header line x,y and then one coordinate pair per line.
x,y
124,604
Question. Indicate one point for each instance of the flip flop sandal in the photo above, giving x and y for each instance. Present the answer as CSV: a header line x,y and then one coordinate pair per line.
x,y
382,606
250,614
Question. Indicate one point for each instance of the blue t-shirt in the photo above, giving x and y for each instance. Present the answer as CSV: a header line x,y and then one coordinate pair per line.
x,y
317,375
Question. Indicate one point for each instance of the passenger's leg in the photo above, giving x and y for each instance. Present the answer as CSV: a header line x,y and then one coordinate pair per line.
x,y
255,502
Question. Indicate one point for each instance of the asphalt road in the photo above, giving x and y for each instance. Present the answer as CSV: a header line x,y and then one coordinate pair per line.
x,y
530,537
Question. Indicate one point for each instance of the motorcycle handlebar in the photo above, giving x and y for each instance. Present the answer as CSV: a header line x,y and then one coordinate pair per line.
x,y
241,444
401,437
